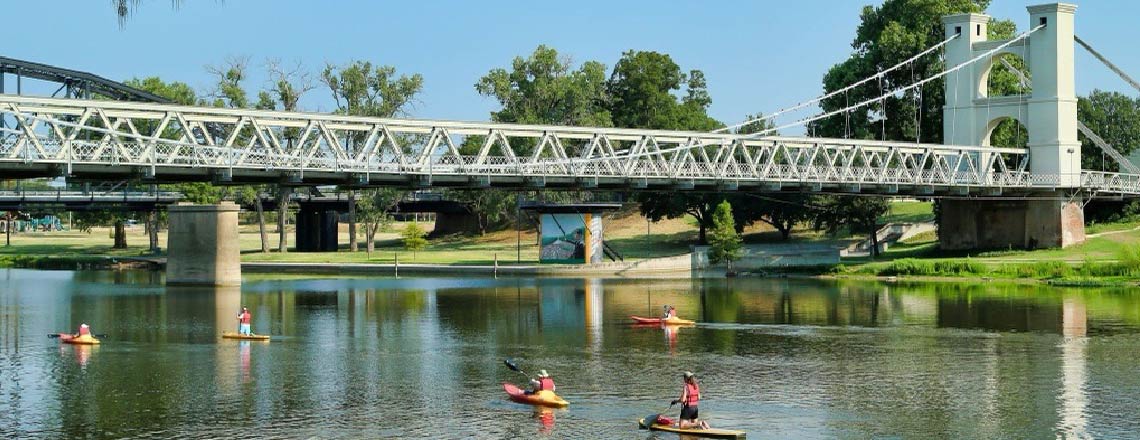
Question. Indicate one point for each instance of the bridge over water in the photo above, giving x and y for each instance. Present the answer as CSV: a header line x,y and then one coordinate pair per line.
x,y
995,197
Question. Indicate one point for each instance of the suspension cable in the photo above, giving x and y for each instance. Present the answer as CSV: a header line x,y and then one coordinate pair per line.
x,y
901,89
842,90
1108,63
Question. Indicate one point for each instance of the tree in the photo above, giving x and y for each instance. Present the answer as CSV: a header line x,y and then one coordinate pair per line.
x,y
860,214
642,89
782,211
360,89
413,236
1113,116
373,208
887,35
724,245
544,88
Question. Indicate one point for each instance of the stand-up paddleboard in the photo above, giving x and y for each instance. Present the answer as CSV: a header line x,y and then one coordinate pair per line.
x,y
231,335
697,432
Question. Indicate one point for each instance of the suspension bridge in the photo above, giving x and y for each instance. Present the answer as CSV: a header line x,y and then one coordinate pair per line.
x,y
1044,182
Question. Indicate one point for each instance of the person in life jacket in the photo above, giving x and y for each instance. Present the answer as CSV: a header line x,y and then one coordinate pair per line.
x,y
670,312
542,382
84,330
690,398
243,319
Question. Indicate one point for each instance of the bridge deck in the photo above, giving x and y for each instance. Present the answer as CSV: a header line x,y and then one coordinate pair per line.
x,y
103,139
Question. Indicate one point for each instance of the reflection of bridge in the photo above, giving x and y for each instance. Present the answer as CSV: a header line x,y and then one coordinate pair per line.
x,y
1041,185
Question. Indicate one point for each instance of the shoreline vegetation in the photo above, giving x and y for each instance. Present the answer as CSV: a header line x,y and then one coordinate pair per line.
x,y
1110,256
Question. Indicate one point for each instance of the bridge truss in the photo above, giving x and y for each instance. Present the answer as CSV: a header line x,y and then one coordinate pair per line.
x,y
161,142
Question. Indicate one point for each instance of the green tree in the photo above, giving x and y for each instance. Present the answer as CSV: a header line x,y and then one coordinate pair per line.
x,y
644,89
724,245
361,89
782,211
887,35
413,236
1113,116
373,207
860,214
542,88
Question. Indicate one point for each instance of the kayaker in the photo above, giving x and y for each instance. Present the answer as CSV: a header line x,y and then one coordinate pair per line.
x,y
690,397
244,318
84,330
543,382
670,312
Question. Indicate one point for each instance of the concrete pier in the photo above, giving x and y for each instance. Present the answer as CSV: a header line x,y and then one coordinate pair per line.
x,y
203,245
1004,224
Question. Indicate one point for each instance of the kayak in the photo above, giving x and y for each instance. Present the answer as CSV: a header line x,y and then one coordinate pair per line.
x,y
673,320
77,340
543,398
695,432
232,335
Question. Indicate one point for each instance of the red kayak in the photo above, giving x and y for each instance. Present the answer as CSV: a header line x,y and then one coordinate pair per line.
x,y
542,398
673,320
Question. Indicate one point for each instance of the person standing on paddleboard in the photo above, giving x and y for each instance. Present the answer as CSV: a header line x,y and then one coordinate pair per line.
x,y
690,397
243,319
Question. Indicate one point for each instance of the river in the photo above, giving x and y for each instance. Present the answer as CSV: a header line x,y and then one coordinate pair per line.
x,y
423,358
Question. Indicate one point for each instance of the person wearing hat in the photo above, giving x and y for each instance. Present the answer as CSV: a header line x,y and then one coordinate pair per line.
x,y
243,319
670,312
84,330
690,397
543,382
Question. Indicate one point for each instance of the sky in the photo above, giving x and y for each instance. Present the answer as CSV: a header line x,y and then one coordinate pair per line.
x,y
758,56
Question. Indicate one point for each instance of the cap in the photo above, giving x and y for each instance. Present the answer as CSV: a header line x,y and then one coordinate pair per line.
x,y
689,374
542,373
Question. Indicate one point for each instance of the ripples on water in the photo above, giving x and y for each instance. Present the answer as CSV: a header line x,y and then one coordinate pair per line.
x,y
383,358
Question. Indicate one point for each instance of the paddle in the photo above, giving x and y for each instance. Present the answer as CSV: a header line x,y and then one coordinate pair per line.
x,y
515,367
56,335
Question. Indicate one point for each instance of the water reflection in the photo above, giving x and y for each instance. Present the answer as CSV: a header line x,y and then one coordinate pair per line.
x,y
797,358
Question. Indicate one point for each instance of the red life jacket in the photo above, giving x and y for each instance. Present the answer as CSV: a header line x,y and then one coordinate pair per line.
x,y
245,317
546,383
84,330
692,394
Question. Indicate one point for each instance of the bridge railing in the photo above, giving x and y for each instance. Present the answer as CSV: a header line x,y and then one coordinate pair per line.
x,y
171,139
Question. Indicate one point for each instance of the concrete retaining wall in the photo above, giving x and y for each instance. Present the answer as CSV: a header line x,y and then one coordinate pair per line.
x,y
767,256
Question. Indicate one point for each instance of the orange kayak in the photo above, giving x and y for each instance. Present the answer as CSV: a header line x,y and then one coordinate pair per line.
x,y
541,398
77,340
670,321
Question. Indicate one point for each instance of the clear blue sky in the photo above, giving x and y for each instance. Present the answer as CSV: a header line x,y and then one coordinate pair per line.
x,y
757,55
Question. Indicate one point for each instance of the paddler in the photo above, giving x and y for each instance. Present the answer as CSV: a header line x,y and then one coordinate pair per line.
x,y
84,330
690,397
243,319
670,312
543,382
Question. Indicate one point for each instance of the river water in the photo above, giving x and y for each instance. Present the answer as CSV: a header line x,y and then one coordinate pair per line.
x,y
423,358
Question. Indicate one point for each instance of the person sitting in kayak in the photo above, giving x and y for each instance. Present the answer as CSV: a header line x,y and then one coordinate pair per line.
x,y
690,397
84,330
670,312
244,318
543,382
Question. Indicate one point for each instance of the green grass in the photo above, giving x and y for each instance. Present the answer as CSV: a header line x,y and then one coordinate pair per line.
x,y
910,212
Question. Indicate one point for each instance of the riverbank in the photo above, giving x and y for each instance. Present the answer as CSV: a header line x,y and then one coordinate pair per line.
x,y
1110,256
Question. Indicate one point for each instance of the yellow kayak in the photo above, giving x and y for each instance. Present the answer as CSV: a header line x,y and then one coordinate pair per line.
x,y
232,335
541,398
696,432
77,340
672,320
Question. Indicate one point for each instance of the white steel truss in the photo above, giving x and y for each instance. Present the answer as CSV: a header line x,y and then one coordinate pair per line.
x,y
168,142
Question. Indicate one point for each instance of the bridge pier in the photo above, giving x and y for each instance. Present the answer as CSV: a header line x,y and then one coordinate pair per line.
x,y
203,245
317,229
1003,224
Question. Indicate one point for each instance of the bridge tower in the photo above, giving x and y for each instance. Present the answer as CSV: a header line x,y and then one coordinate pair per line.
x,y
1049,114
